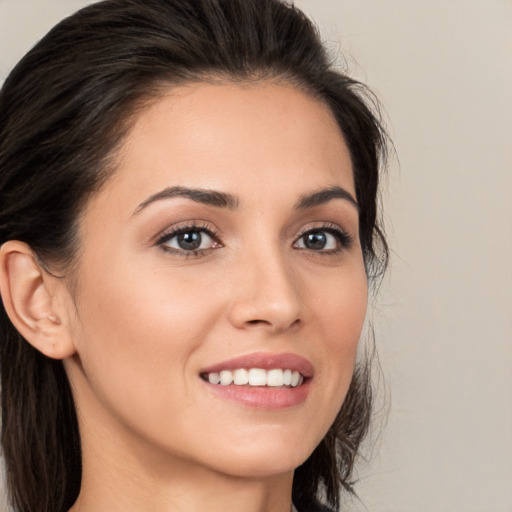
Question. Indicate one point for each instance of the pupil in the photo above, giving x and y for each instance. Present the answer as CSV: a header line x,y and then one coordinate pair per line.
x,y
316,240
189,241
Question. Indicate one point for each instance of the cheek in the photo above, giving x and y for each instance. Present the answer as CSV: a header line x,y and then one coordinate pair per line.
x,y
340,314
137,335
340,306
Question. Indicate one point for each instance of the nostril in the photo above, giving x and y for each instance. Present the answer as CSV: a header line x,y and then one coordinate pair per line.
x,y
259,312
263,323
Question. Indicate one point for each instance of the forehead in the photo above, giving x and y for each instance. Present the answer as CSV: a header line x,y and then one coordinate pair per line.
x,y
238,138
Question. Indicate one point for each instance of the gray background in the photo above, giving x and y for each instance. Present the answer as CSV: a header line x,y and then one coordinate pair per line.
x,y
443,70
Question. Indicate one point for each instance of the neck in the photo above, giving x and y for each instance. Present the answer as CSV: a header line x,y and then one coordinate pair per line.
x,y
130,491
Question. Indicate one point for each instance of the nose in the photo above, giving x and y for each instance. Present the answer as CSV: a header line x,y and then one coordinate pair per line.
x,y
266,294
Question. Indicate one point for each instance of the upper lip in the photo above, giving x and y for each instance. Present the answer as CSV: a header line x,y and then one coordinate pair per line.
x,y
265,361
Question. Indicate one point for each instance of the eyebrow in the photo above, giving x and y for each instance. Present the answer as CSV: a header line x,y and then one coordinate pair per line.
x,y
208,197
230,201
325,195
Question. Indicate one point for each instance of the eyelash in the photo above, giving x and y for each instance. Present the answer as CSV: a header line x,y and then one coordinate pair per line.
x,y
181,230
344,240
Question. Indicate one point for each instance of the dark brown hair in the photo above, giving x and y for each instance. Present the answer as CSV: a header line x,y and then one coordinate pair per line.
x,y
63,112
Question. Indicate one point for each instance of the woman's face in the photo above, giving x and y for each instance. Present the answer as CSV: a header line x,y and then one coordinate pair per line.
x,y
225,246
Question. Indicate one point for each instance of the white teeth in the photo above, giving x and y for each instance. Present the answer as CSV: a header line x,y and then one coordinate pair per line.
x,y
275,378
214,378
226,377
257,377
241,377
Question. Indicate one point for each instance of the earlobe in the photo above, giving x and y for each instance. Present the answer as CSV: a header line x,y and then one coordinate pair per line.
x,y
32,299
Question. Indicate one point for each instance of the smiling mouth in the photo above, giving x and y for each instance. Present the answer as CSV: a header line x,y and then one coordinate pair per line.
x,y
256,377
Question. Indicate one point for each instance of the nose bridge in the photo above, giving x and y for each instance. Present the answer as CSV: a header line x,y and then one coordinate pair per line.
x,y
267,293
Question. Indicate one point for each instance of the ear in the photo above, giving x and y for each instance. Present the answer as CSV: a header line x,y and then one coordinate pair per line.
x,y
35,301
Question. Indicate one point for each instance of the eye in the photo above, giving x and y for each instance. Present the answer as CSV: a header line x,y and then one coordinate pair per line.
x,y
189,239
324,239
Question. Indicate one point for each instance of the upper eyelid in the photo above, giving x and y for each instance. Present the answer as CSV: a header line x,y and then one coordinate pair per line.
x,y
216,234
323,225
171,232
175,229
344,238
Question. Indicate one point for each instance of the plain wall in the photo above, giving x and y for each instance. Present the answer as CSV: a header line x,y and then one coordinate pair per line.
x,y
443,71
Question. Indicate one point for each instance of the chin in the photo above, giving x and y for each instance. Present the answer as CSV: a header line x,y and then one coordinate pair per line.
x,y
262,458
264,465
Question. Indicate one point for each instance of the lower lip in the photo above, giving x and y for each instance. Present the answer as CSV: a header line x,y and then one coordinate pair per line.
x,y
266,397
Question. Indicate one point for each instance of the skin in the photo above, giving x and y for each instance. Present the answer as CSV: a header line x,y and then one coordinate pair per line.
x,y
146,316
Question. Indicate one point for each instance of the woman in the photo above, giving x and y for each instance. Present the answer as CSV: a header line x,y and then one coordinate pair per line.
x,y
188,223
